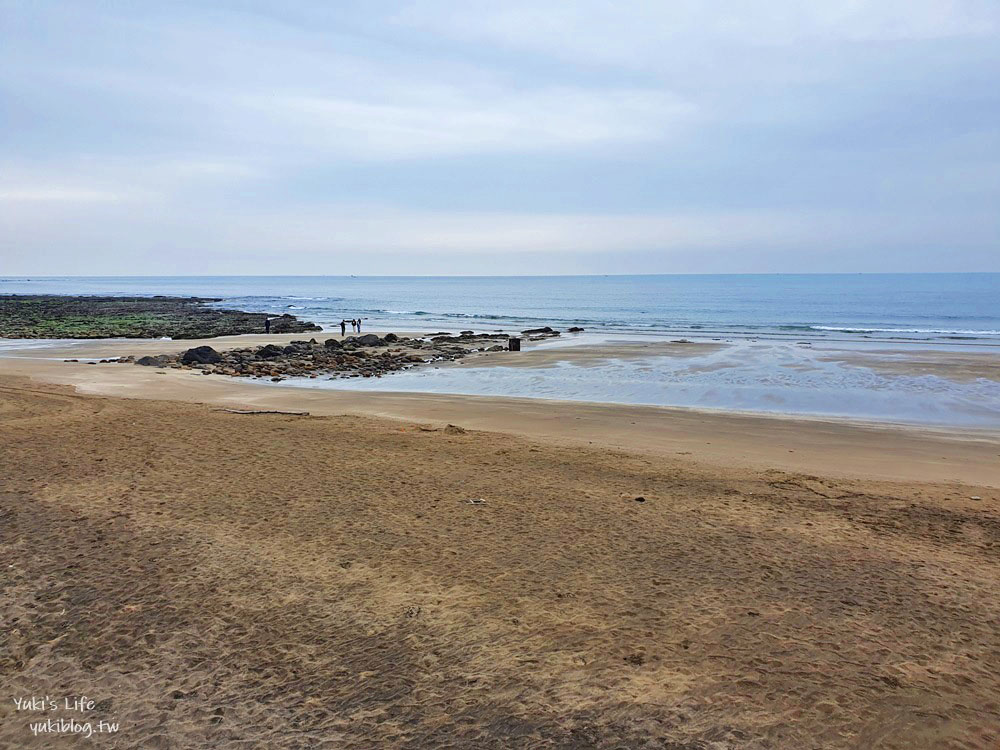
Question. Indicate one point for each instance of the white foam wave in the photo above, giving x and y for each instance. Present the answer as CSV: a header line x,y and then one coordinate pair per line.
x,y
862,329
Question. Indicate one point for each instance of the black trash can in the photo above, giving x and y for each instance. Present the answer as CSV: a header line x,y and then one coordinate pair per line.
x,y
513,344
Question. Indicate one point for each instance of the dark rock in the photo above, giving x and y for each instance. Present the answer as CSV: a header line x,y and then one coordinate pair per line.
x,y
574,329
289,324
369,339
466,338
271,351
334,344
390,338
203,355
160,360
546,329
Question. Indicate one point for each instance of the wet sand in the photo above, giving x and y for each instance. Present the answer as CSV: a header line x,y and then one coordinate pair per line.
x,y
220,580
553,352
954,365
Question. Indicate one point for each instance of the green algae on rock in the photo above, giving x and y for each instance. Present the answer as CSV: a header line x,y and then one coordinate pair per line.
x,y
84,317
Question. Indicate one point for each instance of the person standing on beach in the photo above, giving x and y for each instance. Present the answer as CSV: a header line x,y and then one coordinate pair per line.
x,y
343,327
267,325
359,325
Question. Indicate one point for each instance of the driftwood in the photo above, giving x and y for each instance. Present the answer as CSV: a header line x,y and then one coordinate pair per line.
x,y
266,411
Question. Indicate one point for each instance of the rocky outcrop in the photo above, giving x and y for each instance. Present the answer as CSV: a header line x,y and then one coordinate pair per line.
x,y
362,356
202,355
290,324
355,356
467,337
33,316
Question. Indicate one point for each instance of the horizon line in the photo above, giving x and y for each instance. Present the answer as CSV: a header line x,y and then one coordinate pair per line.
x,y
31,277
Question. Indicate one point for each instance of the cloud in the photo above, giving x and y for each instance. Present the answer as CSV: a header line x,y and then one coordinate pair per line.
x,y
436,121
281,94
57,194
371,239
633,32
672,136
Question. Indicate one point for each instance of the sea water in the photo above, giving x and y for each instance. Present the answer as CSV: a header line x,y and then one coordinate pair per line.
x,y
948,307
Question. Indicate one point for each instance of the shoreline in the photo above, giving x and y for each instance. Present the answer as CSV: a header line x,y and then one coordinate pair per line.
x,y
835,447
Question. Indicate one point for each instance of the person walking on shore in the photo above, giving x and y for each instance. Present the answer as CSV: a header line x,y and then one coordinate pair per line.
x,y
343,327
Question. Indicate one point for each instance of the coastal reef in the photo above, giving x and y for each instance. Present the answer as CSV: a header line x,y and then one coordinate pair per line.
x,y
355,356
85,317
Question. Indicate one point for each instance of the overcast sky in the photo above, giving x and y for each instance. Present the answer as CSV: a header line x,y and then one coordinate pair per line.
x,y
253,136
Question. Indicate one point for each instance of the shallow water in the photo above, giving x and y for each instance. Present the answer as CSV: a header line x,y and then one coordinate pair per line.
x,y
773,377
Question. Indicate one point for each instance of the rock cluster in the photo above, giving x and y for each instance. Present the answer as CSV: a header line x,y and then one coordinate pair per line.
x,y
355,356
537,334
201,355
466,337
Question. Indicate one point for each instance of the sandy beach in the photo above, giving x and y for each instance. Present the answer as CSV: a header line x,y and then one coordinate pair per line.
x,y
227,580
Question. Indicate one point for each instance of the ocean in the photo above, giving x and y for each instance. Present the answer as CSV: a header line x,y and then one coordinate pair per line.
x,y
901,307
789,344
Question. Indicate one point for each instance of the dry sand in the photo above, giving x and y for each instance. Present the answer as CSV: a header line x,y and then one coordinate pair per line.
x,y
220,580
